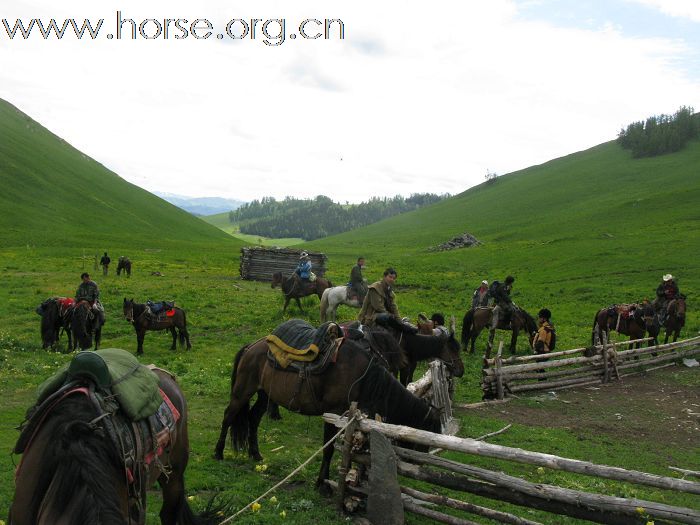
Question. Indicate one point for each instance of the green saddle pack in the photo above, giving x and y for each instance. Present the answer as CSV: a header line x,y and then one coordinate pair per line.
x,y
135,386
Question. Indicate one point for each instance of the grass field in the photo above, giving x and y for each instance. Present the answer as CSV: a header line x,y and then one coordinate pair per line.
x,y
578,233
220,220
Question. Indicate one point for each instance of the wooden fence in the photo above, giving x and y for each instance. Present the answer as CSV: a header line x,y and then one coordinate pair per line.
x,y
386,497
258,263
578,367
436,387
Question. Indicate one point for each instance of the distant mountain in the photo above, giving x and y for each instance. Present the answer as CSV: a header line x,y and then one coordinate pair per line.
x,y
201,205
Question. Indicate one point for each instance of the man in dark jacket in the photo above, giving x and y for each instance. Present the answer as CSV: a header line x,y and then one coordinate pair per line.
x,y
504,304
480,297
666,292
358,285
104,262
88,291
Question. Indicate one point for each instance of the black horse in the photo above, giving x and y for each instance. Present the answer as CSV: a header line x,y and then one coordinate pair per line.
x,y
138,315
475,320
294,288
356,375
86,322
124,264
675,318
56,314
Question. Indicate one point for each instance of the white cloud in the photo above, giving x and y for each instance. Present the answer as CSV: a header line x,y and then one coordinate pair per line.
x,y
678,8
411,96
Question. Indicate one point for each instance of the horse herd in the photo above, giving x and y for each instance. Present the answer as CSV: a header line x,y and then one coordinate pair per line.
x,y
70,473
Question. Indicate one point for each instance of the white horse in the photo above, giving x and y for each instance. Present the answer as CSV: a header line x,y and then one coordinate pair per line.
x,y
332,298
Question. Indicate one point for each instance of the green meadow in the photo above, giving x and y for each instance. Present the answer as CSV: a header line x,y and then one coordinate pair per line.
x,y
578,233
220,220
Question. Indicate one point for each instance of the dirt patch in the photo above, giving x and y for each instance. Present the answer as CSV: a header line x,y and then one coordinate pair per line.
x,y
656,408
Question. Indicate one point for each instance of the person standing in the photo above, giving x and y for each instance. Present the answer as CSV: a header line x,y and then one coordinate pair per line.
x,y
104,262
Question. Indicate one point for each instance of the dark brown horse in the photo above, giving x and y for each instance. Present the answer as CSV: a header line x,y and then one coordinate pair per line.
x,y
355,376
475,320
71,474
294,288
124,264
675,318
86,322
56,314
420,347
138,314
634,320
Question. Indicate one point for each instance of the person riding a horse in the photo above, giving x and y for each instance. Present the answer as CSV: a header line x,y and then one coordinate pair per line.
x,y
666,292
480,297
303,274
358,284
379,306
504,304
88,291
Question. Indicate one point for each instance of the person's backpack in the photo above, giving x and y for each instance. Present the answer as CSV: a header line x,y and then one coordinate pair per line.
x,y
492,289
553,340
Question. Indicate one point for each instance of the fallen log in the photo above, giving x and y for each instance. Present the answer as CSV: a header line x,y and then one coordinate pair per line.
x,y
435,515
542,385
497,515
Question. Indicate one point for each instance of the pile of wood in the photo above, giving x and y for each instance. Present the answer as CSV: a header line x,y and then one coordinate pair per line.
x,y
461,241
258,263
579,366
378,476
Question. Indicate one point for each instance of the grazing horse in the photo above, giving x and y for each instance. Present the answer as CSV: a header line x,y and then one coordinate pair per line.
x,y
124,264
356,375
675,318
56,314
476,319
420,347
138,314
641,319
85,322
334,297
71,472
293,288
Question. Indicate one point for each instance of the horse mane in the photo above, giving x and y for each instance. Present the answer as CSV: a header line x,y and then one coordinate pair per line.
x,y
385,344
530,322
381,393
79,468
424,346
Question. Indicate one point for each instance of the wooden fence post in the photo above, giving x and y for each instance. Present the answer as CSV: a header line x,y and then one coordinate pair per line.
x,y
346,455
499,377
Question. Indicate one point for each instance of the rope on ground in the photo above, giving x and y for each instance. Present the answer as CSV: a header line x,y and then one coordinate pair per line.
x,y
292,474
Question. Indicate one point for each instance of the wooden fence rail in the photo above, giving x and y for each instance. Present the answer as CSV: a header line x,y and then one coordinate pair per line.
x,y
439,471
566,369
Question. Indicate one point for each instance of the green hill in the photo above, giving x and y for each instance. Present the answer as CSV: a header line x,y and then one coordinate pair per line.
x,y
54,195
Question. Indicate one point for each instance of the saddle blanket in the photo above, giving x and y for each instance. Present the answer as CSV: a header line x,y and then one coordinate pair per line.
x,y
297,340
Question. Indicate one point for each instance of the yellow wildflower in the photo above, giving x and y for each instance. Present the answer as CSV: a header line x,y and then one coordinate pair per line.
x,y
283,514
273,499
640,510
255,507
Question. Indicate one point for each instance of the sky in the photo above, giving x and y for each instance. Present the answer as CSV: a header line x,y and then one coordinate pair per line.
x,y
415,97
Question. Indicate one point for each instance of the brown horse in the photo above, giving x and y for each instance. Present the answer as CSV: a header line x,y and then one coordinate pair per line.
x,y
124,264
56,314
675,318
294,288
641,319
138,315
86,322
475,320
355,376
72,474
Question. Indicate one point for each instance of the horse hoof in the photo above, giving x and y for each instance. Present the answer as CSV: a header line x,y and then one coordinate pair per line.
x,y
256,456
218,455
323,488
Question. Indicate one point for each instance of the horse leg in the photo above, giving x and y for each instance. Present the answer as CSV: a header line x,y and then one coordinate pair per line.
x,y
299,305
174,502
328,432
489,343
273,411
140,334
183,331
254,416
235,418
513,340
174,334
286,303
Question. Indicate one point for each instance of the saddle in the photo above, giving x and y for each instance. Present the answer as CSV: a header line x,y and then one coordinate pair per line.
x,y
296,345
140,441
158,311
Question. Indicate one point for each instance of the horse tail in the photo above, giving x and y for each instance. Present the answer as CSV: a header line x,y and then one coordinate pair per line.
x,y
324,305
239,424
467,328
182,331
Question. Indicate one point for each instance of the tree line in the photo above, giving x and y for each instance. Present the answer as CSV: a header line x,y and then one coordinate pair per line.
x,y
319,217
660,134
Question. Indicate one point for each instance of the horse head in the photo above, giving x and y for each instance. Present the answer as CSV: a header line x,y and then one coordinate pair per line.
x,y
129,309
82,324
677,307
451,352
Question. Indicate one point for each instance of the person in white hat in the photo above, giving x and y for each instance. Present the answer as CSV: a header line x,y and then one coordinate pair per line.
x,y
303,271
480,297
666,292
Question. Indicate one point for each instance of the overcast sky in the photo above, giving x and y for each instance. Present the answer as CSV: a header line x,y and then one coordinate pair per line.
x,y
417,97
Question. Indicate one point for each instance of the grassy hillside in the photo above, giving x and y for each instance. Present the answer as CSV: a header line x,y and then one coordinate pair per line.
x,y
220,220
578,233
54,195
